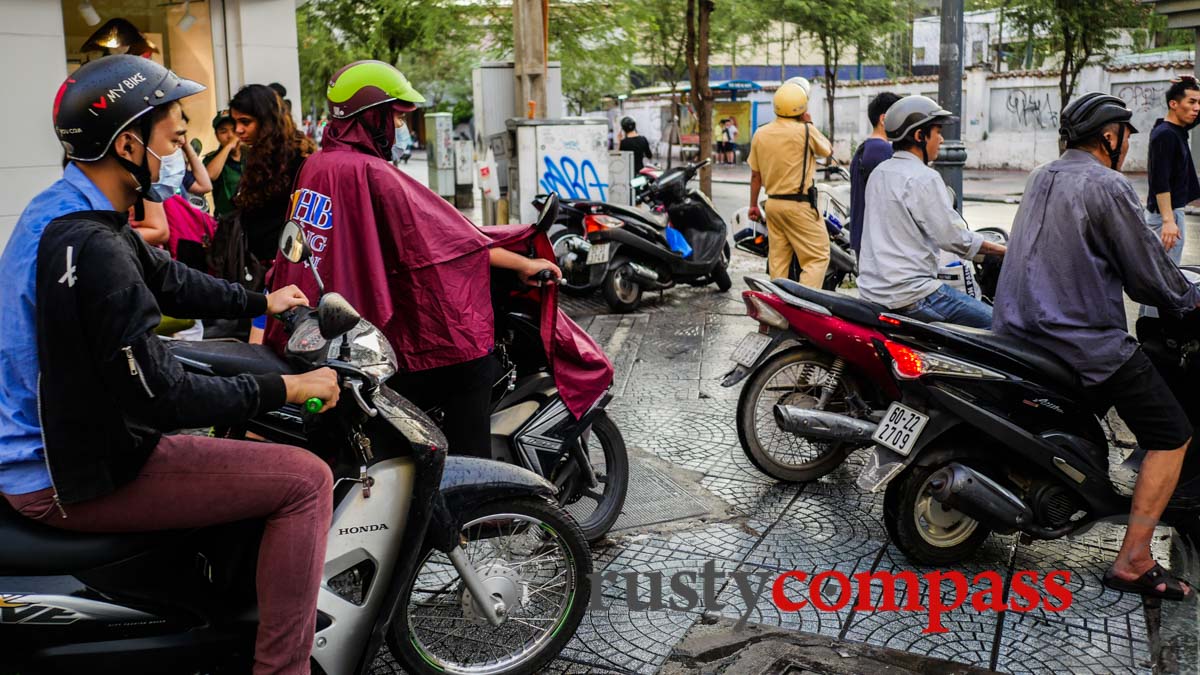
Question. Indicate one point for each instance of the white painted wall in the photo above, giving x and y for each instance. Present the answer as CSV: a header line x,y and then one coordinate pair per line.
x,y
1008,121
260,39
31,44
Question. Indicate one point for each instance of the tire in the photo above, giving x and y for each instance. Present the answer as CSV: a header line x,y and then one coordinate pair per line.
x,y
721,272
558,241
755,415
595,521
905,501
435,573
621,292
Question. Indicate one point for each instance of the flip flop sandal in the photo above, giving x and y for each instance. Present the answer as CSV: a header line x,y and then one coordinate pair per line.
x,y
1146,585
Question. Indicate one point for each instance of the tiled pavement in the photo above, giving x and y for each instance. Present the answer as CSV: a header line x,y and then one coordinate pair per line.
x,y
676,417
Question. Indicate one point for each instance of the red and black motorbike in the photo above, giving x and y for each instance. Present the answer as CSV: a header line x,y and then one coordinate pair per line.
x,y
815,351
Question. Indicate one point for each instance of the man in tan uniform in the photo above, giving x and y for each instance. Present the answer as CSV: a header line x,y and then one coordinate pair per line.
x,y
780,163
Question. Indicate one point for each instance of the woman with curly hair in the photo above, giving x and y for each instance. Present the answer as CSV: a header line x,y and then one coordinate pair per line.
x,y
275,151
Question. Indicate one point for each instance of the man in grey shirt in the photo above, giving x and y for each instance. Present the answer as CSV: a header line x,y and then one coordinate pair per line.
x,y
1078,239
909,219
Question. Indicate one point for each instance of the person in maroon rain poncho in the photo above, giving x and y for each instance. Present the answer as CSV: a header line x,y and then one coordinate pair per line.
x,y
411,263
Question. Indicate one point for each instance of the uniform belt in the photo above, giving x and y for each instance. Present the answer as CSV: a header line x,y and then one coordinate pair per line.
x,y
791,197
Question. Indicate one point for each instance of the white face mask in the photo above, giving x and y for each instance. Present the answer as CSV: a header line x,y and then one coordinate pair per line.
x,y
171,170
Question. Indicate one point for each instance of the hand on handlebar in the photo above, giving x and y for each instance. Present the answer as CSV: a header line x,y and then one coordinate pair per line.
x,y
755,214
320,384
286,298
537,271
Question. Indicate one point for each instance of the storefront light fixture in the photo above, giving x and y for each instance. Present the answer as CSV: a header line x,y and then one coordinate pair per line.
x,y
90,16
188,20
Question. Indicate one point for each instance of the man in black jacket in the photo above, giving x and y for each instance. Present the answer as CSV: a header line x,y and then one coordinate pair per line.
x,y
81,444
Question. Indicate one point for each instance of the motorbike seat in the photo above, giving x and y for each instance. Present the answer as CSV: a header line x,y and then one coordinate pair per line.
x,y
1046,363
843,306
226,358
31,548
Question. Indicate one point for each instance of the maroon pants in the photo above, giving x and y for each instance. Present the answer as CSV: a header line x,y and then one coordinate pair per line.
x,y
193,481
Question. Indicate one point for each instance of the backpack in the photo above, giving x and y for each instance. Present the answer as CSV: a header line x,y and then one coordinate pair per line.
x,y
229,257
191,232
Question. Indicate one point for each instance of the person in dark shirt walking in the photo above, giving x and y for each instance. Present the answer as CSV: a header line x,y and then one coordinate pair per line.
x,y
1171,174
635,143
874,150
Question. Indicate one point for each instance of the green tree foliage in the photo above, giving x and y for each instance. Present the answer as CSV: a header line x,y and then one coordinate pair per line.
x,y
837,26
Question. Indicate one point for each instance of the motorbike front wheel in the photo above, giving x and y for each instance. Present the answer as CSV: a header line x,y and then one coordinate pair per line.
x,y
622,292
597,509
528,553
791,377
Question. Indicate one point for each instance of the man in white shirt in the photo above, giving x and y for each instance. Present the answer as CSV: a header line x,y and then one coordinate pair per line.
x,y
909,217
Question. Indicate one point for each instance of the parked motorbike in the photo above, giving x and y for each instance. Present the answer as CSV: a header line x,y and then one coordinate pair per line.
x,y
635,257
532,428
569,237
814,350
422,547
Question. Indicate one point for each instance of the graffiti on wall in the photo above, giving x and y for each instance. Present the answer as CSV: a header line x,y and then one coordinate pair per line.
x,y
571,179
1032,108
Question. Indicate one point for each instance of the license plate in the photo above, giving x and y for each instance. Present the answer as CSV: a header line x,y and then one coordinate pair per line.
x,y
750,348
900,428
598,255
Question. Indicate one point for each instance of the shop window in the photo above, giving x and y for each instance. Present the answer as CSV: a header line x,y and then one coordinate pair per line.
x,y
175,34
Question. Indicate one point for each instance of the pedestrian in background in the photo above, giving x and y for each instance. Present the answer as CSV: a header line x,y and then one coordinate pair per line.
x,y
731,132
224,165
635,143
783,159
875,149
1170,172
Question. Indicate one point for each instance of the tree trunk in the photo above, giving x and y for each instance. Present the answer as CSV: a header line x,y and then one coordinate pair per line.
x,y
701,94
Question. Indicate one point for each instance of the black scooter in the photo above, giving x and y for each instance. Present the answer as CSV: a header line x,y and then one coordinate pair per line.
x,y
993,434
628,251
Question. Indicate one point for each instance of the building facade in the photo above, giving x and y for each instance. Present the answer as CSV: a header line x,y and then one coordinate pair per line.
x,y
223,44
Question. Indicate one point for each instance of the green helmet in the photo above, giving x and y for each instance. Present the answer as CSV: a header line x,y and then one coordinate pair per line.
x,y
364,84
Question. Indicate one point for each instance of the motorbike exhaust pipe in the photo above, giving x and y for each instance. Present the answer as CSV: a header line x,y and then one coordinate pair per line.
x,y
823,425
841,260
643,274
966,490
579,245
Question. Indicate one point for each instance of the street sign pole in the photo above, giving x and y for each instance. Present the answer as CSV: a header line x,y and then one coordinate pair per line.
x,y
953,155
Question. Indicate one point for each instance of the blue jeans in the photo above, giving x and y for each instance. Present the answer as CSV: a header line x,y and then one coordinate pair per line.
x,y
1155,221
949,305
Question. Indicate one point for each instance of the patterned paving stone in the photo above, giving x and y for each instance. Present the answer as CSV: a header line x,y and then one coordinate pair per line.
x,y
617,639
762,500
1030,645
814,533
970,634
1093,607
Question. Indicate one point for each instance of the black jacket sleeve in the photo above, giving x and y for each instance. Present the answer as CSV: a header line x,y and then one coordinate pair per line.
x,y
187,293
119,313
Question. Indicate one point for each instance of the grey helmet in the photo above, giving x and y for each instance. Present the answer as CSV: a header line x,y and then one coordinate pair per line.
x,y
911,113
1087,116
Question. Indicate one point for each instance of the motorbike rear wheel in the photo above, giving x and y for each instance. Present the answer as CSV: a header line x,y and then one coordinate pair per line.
x,y
572,284
597,509
794,377
529,553
720,273
924,530
622,292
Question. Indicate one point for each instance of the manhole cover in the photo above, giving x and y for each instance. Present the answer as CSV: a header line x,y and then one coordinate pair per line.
x,y
654,497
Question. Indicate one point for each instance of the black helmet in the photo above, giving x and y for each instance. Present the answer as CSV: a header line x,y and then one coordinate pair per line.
x,y
627,124
104,96
1087,116
1090,113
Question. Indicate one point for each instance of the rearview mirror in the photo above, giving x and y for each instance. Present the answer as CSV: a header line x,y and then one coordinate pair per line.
x,y
335,316
292,244
548,214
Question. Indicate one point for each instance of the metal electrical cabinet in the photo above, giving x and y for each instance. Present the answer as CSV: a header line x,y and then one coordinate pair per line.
x,y
568,156
439,139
